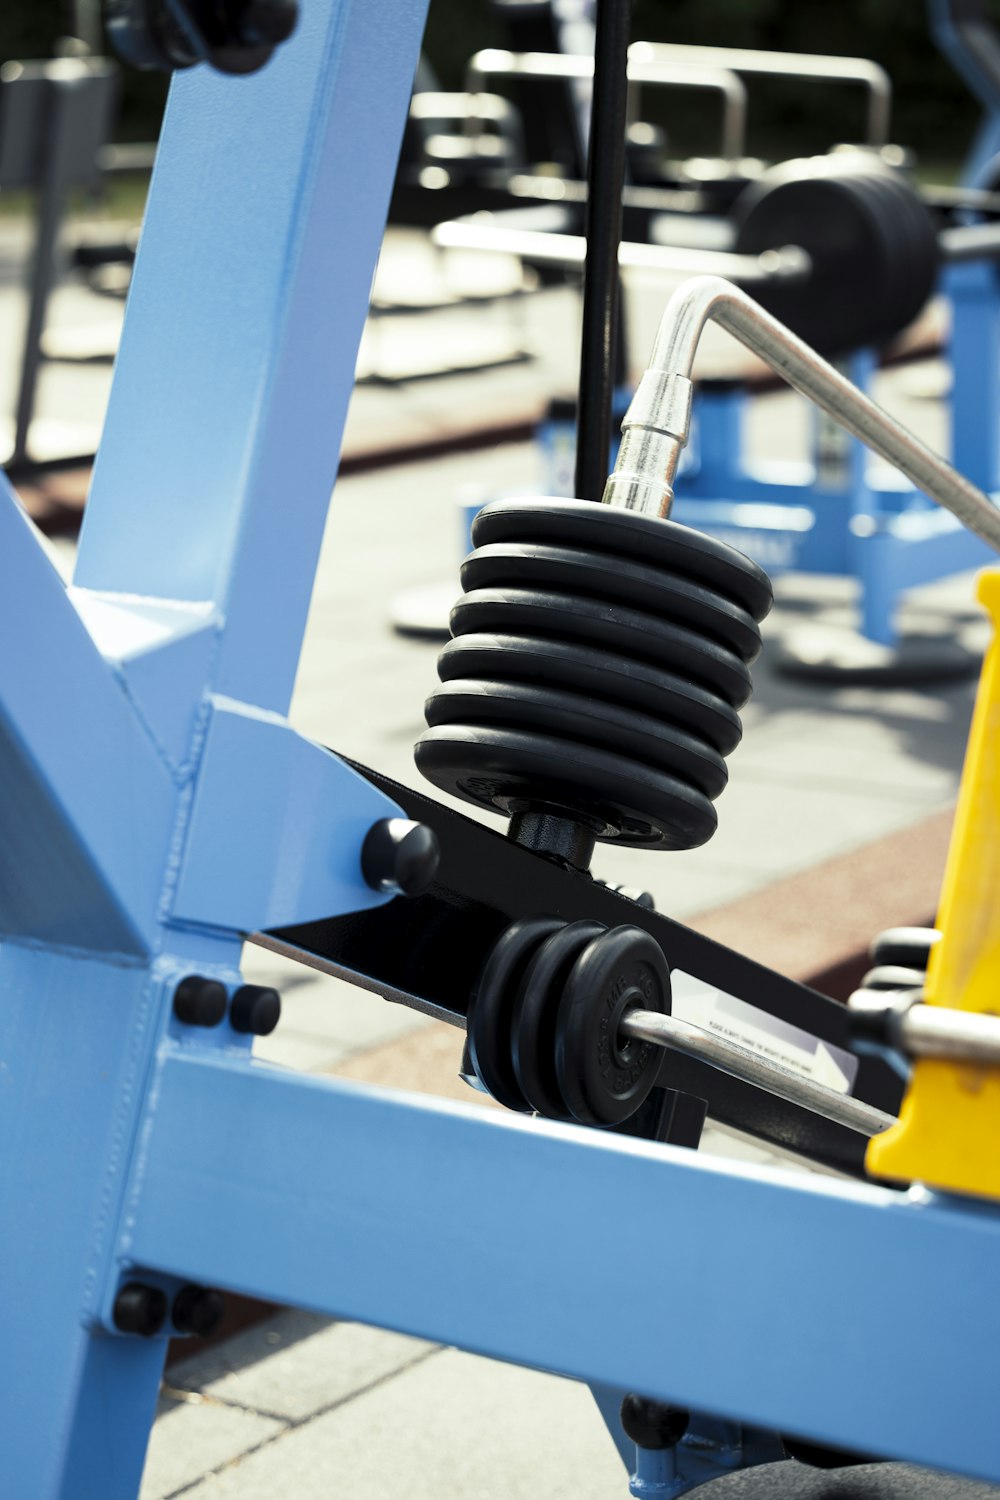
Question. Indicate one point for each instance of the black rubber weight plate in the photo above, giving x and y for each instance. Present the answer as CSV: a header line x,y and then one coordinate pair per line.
x,y
521,705
813,205
492,1006
533,1033
602,1078
601,674
493,768
616,580
631,632
626,533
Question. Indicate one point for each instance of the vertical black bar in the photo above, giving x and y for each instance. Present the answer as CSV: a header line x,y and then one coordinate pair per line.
x,y
605,181
53,189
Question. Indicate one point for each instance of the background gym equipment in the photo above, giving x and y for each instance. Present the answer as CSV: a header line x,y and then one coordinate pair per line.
x,y
143,714
55,117
841,291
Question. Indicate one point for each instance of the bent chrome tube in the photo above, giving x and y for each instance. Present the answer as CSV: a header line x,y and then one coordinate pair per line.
x,y
656,425
495,62
680,1036
549,247
748,61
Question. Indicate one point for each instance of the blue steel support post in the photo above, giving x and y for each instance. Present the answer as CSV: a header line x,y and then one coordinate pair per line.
x,y
965,33
152,812
973,290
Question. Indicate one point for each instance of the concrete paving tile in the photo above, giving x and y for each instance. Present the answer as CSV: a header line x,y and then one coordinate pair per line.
x,y
323,1019
675,887
425,1063
892,754
776,829
297,1365
193,1436
454,1425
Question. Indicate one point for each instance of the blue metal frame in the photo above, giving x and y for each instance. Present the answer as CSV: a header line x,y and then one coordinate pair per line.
x,y
851,521
965,33
158,805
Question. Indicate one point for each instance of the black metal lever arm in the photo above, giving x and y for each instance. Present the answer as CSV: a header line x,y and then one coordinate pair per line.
x,y
427,952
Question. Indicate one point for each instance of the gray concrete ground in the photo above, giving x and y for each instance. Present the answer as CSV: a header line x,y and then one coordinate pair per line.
x,y
313,1407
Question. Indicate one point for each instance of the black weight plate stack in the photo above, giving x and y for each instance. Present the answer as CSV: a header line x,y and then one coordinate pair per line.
x,y
536,1010
545,1023
604,1077
491,1008
872,243
598,664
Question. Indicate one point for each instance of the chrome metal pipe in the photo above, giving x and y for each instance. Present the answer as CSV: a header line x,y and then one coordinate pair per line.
x,y
656,425
970,242
680,1036
496,62
931,1031
546,247
747,61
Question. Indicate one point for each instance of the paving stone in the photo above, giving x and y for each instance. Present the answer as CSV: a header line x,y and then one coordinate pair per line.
x,y
455,1425
191,1437
323,1019
297,1364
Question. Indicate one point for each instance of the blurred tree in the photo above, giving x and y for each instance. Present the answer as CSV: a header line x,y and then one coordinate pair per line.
x,y
33,29
933,112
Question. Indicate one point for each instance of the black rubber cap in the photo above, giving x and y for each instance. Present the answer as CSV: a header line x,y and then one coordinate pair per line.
x,y
198,1310
255,1010
653,1424
199,1001
267,23
140,1309
399,857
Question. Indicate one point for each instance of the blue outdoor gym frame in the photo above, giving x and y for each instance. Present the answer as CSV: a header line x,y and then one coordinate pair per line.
x,y
158,806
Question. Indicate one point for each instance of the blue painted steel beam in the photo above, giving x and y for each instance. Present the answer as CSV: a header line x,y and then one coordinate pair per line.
x,y
236,364
845,1313
88,803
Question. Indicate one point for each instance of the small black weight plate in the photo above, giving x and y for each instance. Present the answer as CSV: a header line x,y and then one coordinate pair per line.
x,y
615,580
571,716
909,946
603,1077
633,632
492,1006
498,769
533,1030
601,674
893,977
626,533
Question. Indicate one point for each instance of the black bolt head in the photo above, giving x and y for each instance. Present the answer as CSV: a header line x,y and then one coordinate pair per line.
x,y
199,1001
140,1309
399,857
198,1310
653,1424
255,1010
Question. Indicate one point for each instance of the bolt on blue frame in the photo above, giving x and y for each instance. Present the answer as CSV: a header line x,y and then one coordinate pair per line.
x,y
158,805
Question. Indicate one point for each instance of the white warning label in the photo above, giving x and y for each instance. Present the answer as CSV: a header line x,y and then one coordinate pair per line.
x,y
747,1026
